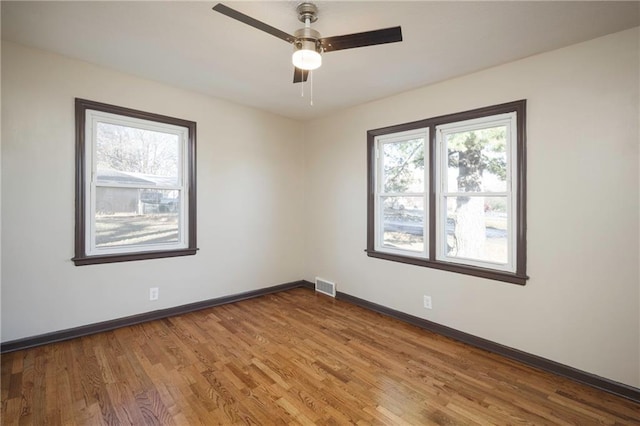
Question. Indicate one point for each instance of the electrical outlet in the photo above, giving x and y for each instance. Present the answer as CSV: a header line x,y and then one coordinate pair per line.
x,y
153,293
427,302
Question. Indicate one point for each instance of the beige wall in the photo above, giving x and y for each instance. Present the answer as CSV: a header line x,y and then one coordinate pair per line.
x,y
250,199
581,305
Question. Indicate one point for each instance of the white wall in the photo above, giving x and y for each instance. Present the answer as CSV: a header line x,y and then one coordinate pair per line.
x,y
250,199
581,305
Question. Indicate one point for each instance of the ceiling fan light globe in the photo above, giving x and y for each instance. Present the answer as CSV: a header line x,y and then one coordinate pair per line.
x,y
306,59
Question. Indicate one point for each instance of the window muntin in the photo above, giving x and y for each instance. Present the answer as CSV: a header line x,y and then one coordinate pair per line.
x,y
473,190
135,185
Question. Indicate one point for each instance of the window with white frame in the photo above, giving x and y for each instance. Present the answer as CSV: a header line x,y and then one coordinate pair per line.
x,y
449,193
401,193
475,194
135,186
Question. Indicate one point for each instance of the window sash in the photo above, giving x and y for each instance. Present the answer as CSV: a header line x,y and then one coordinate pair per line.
x,y
92,119
507,120
380,142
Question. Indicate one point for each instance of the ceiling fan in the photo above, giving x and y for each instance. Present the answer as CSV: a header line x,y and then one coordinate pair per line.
x,y
308,44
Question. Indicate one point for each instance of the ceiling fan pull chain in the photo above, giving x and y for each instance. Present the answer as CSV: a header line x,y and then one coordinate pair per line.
x,y
311,87
302,89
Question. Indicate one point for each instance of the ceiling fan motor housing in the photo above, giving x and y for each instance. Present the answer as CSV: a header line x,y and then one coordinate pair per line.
x,y
307,39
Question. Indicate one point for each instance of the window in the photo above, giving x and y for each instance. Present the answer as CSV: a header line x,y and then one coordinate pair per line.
x,y
135,185
449,193
402,196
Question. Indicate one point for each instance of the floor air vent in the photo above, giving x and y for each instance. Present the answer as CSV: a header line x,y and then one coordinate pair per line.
x,y
325,287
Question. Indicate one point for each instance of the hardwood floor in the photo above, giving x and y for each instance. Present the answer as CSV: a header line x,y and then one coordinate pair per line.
x,y
287,358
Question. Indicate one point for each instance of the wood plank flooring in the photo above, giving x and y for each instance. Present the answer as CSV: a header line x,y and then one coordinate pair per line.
x,y
287,358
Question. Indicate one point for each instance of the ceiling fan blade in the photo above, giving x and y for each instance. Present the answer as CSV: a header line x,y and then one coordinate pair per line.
x,y
231,13
367,38
300,75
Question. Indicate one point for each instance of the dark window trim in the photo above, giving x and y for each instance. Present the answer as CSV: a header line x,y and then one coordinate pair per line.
x,y
519,277
81,257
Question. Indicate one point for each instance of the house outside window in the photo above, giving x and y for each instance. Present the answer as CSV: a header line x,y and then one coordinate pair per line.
x,y
449,193
135,188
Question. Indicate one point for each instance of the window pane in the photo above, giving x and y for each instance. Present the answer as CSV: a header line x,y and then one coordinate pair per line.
x,y
136,156
477,228
130,216
403,223
477,160
403,166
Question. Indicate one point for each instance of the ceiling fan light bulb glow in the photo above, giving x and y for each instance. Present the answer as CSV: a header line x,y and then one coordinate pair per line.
x,y
306,59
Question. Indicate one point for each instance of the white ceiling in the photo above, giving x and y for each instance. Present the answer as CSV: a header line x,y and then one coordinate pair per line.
x,y
188,45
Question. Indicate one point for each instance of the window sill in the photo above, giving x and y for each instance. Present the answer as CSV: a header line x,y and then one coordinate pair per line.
x,y
508,277
112,258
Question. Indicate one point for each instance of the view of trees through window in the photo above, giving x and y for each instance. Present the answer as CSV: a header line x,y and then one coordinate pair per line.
x,y
404,194
476,200
136,150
